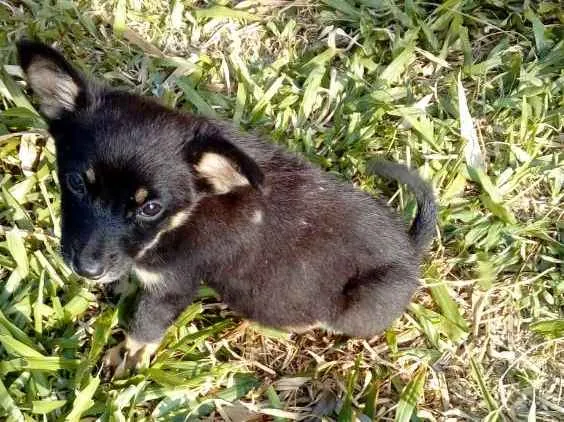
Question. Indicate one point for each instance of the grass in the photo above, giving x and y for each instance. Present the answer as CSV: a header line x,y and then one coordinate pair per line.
x,y
469,92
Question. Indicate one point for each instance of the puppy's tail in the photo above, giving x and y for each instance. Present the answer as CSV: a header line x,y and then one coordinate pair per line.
x,y
423,227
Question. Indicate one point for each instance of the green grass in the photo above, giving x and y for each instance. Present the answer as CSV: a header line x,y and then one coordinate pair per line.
x,y
337,81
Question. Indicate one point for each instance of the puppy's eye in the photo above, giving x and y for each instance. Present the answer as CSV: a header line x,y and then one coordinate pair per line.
x,y
75,183
150,210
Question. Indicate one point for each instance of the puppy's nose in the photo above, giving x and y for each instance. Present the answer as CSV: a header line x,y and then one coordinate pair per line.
x,y
92,269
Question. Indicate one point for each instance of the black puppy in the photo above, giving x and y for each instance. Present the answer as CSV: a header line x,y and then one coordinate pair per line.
x,y
178,198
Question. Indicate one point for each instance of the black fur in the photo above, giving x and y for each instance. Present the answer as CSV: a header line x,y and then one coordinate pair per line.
x,y
292,248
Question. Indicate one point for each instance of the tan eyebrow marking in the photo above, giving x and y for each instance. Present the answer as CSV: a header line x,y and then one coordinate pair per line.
x,y
141,195
90,175
176,221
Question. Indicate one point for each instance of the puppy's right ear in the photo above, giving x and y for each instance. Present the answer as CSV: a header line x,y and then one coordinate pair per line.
x,y
221,164
61,88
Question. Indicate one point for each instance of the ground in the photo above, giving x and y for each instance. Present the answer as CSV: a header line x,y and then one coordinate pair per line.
x,y
469,92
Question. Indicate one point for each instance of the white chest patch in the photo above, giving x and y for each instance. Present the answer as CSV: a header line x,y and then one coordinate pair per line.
x,y
149,279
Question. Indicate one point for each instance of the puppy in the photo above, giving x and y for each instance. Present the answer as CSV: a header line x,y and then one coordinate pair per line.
x,y
177,198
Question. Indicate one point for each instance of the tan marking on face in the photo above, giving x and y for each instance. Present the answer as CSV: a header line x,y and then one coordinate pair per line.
x,y
176,221
140,195
149,246
90,175
220,173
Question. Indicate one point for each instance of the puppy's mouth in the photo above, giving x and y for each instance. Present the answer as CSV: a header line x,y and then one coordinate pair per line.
x,y
105,279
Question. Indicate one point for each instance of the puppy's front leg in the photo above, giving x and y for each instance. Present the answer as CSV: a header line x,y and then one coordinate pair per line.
x,y
156,311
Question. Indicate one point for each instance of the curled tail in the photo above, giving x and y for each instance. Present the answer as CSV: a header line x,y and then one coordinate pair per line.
x,y
423,227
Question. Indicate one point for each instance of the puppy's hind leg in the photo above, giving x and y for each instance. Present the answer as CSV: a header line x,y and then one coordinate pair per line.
x,y
371,301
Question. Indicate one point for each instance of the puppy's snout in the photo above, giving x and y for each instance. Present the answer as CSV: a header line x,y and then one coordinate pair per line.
x,y
88,266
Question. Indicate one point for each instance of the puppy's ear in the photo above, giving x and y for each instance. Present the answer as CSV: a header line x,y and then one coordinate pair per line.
x,y
220,164
58,85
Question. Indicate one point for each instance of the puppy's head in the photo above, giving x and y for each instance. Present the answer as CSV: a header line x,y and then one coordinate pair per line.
x,y
130,169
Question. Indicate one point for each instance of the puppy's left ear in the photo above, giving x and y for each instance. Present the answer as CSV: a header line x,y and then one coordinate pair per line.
x,y
60,87
220,164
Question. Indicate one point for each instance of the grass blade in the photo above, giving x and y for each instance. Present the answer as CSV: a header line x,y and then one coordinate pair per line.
x,y
346,413
311,86
20,215
102,331
394,71
345,7
43,407
10,90
265,100
17,348
443,297
17,250
478,376
79,303
43,363
120,16
472,151
551,329
410,395
541,42
8,404
195,98
275,402
83,400
6,326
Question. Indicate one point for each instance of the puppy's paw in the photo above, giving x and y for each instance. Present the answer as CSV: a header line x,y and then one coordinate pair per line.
x,y
129,354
